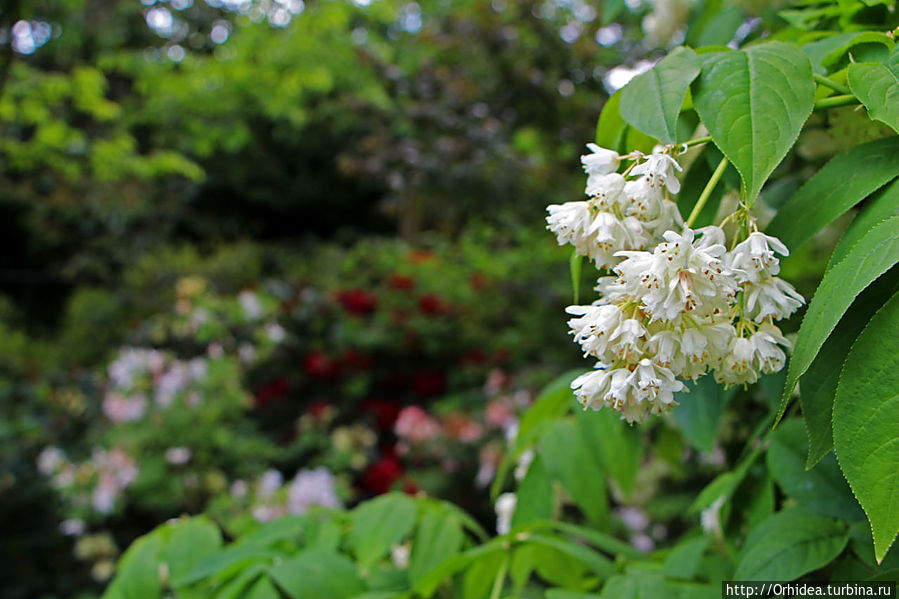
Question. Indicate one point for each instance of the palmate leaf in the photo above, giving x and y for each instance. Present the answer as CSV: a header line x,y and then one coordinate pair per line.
x,y
865,262
651,101
877,86
754,103
866,423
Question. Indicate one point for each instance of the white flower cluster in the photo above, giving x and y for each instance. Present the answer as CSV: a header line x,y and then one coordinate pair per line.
x,y
677,310
274,499
97,482
621,213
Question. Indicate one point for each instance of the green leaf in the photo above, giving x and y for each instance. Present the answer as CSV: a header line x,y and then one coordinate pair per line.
x,y
877,86
571,461
597,562
821,490
651,101
641,585
262,589
611,128
866,423
882,206
138,570
819,383
699,412
437,538
565,594
789,544
535,495
218,562
685,557
317,575
754,103
867,260
843,182
480,576
379,524
191,541
288,527
618,445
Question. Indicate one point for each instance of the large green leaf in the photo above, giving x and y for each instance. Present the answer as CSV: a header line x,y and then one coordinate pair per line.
x,y
138,570
535,495
641,585
754,103
379,524
789,544
866,423
651,101
867,260
191,541
881,206
699,412
819,383
821,490
842,183
877,86
570,461
596,561
685,557
617,444
317,575
437,538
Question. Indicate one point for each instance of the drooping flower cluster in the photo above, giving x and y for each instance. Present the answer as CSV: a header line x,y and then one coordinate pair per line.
x,y
674,310
621,213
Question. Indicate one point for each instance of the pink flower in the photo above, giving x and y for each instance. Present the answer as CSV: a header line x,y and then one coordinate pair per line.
x,y
415,425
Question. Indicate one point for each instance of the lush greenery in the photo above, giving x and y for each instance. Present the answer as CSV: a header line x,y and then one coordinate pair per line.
x,y
280,318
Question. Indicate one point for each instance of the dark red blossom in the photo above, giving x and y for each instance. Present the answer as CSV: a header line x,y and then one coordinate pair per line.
x,y
319,366
266,394
385,411
356,360
431,305
474,357
357,301
428,383
401,282
380,476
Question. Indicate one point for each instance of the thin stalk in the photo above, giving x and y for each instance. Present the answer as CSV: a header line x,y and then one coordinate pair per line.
x,y
836,102
831,84
697,141
707,192
500,578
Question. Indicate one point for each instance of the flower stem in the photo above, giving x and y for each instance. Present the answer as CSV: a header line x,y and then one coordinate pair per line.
x,y
836,101
707,192
697,141
831,84
500,578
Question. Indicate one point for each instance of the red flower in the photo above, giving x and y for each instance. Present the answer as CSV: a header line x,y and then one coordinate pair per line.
x,y
473,357
431,305
384,410
355,360
264,395
357,301
427,383
478,280
380,476
401,282
319,366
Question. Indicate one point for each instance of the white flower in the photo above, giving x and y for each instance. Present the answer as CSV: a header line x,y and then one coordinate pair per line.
x,y
600,161
754,257
312,487
505,508
570,222
678,277
710,518
705,346
648,389
607,191
594,329
643,200
524,464
252,307
178,456
769,357
399,555
275,332
660,171
269,483
50,459
773,297
73,527
738,366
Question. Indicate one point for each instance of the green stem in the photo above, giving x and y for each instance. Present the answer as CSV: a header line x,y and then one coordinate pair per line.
x,y
831,84
836,101
697,141
500,578
707,192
